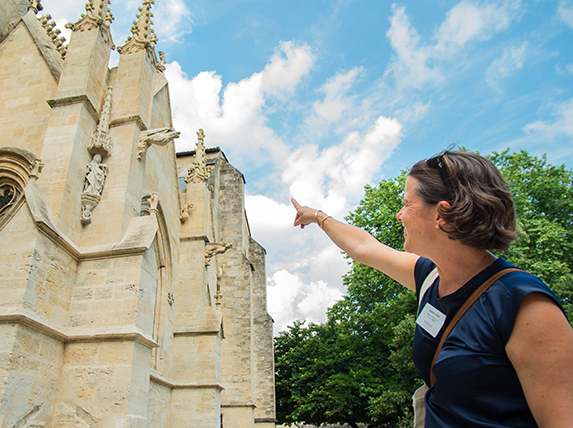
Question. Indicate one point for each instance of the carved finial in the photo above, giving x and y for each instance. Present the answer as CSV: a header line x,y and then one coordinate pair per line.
x,y
200,137
199,171
142,35
97,14
64,51
100,140
214,248
35,6
53,33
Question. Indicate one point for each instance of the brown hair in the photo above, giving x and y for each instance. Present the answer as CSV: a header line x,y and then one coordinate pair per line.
x,y
481,212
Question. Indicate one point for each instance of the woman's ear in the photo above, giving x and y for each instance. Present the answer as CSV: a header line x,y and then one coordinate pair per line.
x,y
441,207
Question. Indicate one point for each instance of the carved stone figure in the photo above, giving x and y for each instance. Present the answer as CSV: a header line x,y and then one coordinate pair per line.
x,y
96,172
184,216
153,202
159,136
161,64
36,169
214,248
89,202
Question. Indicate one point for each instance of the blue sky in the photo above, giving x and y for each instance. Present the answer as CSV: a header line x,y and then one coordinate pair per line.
x,y
314,99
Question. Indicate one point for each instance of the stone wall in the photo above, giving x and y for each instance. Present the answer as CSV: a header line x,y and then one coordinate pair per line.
x,y
137,299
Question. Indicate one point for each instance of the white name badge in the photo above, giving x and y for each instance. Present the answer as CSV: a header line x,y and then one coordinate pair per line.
x,y
431,319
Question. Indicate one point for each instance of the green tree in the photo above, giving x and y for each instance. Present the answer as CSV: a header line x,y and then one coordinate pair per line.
x,y
543,195
357,367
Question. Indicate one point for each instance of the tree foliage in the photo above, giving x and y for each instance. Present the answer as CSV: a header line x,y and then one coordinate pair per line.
x,y
356,367
543,194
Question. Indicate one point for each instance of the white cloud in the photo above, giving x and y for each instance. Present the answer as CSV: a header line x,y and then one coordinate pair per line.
x,y
467,21
566,71
565,12
236,119
172,20
288,65
329,265
282,291
560,126
319,297
510,61
329,178
336,102
409,65
413,112
470,20
289,299
268,218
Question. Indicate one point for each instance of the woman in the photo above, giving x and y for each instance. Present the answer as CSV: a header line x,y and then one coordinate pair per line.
x,y
508,362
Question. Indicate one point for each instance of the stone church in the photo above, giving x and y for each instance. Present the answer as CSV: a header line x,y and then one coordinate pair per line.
x,y
131,291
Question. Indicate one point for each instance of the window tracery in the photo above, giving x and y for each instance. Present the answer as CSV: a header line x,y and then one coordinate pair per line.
x,y
16,168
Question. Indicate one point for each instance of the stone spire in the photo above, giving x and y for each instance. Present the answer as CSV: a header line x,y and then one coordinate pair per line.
x,y
143,35
97,14
199,171
100,140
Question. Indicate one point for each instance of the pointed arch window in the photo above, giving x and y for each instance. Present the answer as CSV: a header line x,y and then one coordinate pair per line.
x,y
16,168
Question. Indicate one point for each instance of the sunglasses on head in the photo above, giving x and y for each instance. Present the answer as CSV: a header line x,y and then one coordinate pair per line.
x,y
438,162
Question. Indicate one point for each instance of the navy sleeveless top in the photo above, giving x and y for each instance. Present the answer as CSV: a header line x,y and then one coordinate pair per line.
x,y
475,383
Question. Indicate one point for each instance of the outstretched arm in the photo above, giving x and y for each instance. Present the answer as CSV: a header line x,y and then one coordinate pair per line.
x,y
361,246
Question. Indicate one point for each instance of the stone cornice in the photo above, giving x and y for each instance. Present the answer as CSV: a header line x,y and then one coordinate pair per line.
x,y
158,378
129,119
71,335
199,237
196,332
75,99
239,404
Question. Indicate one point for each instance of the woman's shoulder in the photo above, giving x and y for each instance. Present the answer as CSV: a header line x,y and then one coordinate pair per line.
x,y
508,293
422,269
521,282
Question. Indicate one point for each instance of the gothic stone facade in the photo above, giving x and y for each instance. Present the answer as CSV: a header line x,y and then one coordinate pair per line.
x,y
131,291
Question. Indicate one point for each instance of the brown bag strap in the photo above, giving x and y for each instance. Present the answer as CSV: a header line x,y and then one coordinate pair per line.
x,y
468,303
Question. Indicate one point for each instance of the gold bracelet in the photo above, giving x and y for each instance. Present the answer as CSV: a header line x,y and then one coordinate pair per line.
x,y
323,220
316,216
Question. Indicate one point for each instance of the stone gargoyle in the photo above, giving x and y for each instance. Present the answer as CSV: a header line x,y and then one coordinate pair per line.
x,y
158,136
